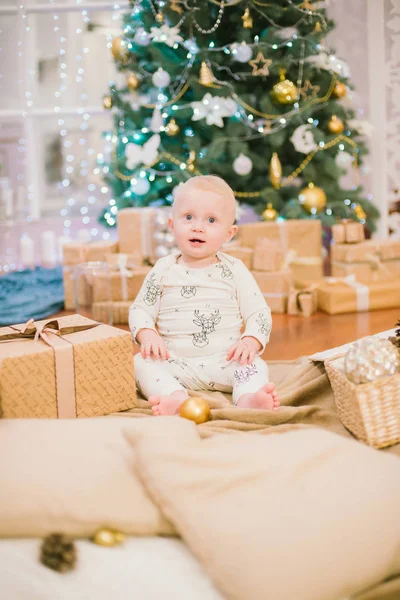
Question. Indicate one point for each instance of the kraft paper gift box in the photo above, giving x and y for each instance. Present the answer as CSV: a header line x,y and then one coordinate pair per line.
x,y
300,239
125,284
130,261
268,255
338,295
349,232
65,368
275,286
244,254
75,253
302,302
69,288
119,310
136,228
369,260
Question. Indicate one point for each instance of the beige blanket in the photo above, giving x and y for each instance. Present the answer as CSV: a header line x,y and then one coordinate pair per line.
x,y
306,515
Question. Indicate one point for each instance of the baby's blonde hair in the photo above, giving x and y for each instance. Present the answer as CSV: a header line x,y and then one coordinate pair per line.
x,y
208,183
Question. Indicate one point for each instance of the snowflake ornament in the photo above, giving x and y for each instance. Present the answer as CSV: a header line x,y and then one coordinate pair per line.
x,y
213,109
145,155
166,35
303,139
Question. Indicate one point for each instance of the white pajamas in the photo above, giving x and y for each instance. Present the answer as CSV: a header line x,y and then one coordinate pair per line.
x,y
199,314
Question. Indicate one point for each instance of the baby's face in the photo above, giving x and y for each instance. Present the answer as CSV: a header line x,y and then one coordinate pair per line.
x,y
202,221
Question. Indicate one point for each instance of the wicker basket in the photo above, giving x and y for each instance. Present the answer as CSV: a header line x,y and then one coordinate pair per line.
x,y
371,411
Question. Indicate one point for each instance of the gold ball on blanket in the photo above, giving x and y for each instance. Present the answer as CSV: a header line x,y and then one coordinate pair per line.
x,y
335,125
108,537
195,409
371,358
313,198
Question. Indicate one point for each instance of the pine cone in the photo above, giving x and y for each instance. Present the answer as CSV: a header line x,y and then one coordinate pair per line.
x,y
398,330
58,552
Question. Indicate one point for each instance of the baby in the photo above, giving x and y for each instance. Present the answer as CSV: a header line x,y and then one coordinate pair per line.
x,y
189,314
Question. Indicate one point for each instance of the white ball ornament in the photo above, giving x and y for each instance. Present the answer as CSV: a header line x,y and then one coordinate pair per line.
x,y
141,187
142,38
242,165
161,78
242,52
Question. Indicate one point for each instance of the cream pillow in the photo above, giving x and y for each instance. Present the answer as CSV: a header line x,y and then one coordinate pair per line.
x,y
72,476
305,515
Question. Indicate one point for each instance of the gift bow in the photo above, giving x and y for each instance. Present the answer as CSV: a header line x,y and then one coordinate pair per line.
x,y
296,304
52,334
122,261
291,258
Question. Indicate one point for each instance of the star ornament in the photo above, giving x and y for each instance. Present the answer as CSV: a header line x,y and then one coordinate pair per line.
x,y
309,89
260,64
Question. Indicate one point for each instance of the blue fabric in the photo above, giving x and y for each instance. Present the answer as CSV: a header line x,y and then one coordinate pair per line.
x,y
30,294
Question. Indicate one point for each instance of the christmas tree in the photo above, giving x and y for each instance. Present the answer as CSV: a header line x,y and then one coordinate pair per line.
x,y
243,89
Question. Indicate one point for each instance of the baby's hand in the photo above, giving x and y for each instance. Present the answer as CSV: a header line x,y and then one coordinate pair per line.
x,y
151,344
244,350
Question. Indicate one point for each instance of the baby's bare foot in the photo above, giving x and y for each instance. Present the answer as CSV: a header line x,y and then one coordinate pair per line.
x,y
167,405
266,398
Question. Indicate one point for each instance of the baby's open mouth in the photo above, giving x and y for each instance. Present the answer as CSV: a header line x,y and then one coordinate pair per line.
x,y
196,241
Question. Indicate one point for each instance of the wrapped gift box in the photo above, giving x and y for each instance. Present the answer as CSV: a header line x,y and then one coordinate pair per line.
x,y
349,232
69,288
302,302
368,260
241,252
130,261
300,239
75,253
120,311
275,286
136,230
125,284
347,295
86,370
268,255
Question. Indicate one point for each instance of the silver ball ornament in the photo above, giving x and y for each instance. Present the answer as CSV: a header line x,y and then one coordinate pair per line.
x,y
371,358
242,52
161,78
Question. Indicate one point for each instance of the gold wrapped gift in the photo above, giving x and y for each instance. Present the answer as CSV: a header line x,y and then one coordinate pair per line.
x,y
125,284
120,311
338,295
304,236
136,230
65,368
302,302
275,286
75,253
348,231
369,260
240,252
130,261
268,255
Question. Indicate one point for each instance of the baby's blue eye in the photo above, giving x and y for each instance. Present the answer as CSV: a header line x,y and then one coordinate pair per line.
x,y
211,220
188,217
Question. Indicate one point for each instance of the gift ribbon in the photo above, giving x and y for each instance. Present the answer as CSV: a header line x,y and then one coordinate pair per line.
x,y
52,334
122,261
147,216
291,258
362,290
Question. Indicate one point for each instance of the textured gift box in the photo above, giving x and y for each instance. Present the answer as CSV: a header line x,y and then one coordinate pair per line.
x,y
275,286
368,260
86,371
69,289
347,295
348,232
244,254
75,253
268,255
125,285
120,311
136,232
303,236
302,302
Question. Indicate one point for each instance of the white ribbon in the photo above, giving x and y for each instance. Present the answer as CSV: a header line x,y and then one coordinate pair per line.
x,y
147,215
362,290
122,261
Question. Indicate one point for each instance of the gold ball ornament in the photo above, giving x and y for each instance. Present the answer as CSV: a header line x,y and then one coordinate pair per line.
x,y
132,81
108,537
285,91
160,17
275,170
335,125
312,198
340,90
172,128
195,409
107,102
270,214
119,49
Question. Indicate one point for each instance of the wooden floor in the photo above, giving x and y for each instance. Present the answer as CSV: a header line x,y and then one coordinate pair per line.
x,y
298,336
